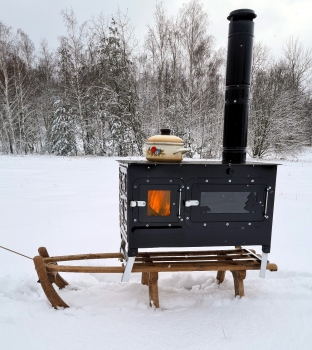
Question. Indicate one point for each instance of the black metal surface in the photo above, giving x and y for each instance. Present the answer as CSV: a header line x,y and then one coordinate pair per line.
x,y
238,77
194,227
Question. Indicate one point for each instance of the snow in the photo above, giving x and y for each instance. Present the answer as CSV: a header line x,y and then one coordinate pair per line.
x,y
70,206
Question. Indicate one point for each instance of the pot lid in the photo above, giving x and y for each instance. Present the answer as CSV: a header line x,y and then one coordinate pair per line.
x,y
165,137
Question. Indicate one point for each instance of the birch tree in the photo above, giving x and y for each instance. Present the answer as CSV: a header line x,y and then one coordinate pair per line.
x,y
6,85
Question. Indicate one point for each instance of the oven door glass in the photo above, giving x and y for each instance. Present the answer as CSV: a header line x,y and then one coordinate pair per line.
x,y
158,202
162,203
228,202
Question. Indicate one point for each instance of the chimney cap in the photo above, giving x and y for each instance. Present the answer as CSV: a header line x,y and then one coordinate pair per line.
x,y
242,14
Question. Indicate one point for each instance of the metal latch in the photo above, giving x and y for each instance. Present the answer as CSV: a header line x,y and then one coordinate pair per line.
x,y
192,203
137,204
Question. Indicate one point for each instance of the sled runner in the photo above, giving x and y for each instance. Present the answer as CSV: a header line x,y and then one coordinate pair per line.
x,y
237,260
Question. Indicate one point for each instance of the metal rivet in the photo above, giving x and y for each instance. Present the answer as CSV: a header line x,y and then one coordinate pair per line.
x,y
173,203
187,188
182,186
205,224
243,227
135,220
227,224
252,180
147,225
181,219
147,180
206,180
249,223
230,180
187,218
135,186
169,225
170,180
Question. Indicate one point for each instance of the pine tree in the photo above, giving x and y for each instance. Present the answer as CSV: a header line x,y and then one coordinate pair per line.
x,y
63,130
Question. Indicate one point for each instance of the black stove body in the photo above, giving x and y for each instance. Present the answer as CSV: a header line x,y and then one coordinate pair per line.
x,y
195,204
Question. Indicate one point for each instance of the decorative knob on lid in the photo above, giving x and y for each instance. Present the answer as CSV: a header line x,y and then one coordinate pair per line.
x,y
165,131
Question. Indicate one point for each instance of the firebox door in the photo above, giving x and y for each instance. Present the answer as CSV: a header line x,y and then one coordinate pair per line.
x,y
157,201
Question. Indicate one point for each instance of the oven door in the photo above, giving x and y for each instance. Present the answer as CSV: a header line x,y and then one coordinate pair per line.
x,y
217,202
157,201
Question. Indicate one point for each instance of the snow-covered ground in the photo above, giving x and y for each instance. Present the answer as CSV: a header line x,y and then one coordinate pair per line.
x,y
70,206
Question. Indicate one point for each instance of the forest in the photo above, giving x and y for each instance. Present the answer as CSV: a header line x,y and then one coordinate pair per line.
x,y
100,93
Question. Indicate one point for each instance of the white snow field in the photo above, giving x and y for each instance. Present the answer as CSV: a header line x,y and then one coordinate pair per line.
x,y
70,206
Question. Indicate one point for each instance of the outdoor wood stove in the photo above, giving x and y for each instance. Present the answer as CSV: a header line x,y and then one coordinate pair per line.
x,y
204,203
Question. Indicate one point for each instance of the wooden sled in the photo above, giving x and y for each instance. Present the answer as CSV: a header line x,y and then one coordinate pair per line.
x,y
238,261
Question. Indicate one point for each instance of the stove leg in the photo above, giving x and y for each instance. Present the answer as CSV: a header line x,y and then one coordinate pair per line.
x,y
153,289
264,260
239,277
220,276
128,268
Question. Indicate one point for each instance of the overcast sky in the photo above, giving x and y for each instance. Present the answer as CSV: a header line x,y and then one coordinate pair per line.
x,y
277,19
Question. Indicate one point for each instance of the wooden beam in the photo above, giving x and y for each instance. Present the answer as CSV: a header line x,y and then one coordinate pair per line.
x,y
144,278
46,285
84,257
160,267
220,276
153,289
85,269
58,279
239,277
191,253
198,258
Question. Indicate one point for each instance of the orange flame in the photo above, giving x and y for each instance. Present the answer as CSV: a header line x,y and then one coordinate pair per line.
x,y
158,203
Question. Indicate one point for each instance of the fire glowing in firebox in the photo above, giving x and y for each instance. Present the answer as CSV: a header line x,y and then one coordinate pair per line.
x,y
158,203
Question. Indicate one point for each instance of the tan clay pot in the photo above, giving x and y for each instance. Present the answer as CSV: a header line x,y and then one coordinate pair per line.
x,y
164,147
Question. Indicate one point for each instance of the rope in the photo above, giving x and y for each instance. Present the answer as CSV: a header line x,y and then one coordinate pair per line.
x,y
25,256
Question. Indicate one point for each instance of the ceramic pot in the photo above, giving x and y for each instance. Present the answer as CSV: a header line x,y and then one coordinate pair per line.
x,y
164,147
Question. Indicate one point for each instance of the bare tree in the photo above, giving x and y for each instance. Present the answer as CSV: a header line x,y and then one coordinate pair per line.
x,y
156,44
76,46
6,81
28,124
298,62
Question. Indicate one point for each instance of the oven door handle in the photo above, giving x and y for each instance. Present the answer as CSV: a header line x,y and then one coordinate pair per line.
x,y
266,202
192,203
180,202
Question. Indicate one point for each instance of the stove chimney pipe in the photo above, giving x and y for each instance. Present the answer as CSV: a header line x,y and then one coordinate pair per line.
x,y
238,77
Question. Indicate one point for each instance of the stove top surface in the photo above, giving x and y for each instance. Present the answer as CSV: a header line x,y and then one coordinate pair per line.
x,y
189,162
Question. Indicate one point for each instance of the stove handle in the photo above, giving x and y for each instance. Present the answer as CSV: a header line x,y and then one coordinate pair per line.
x,y
266,202
192,203
180,202
134,204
